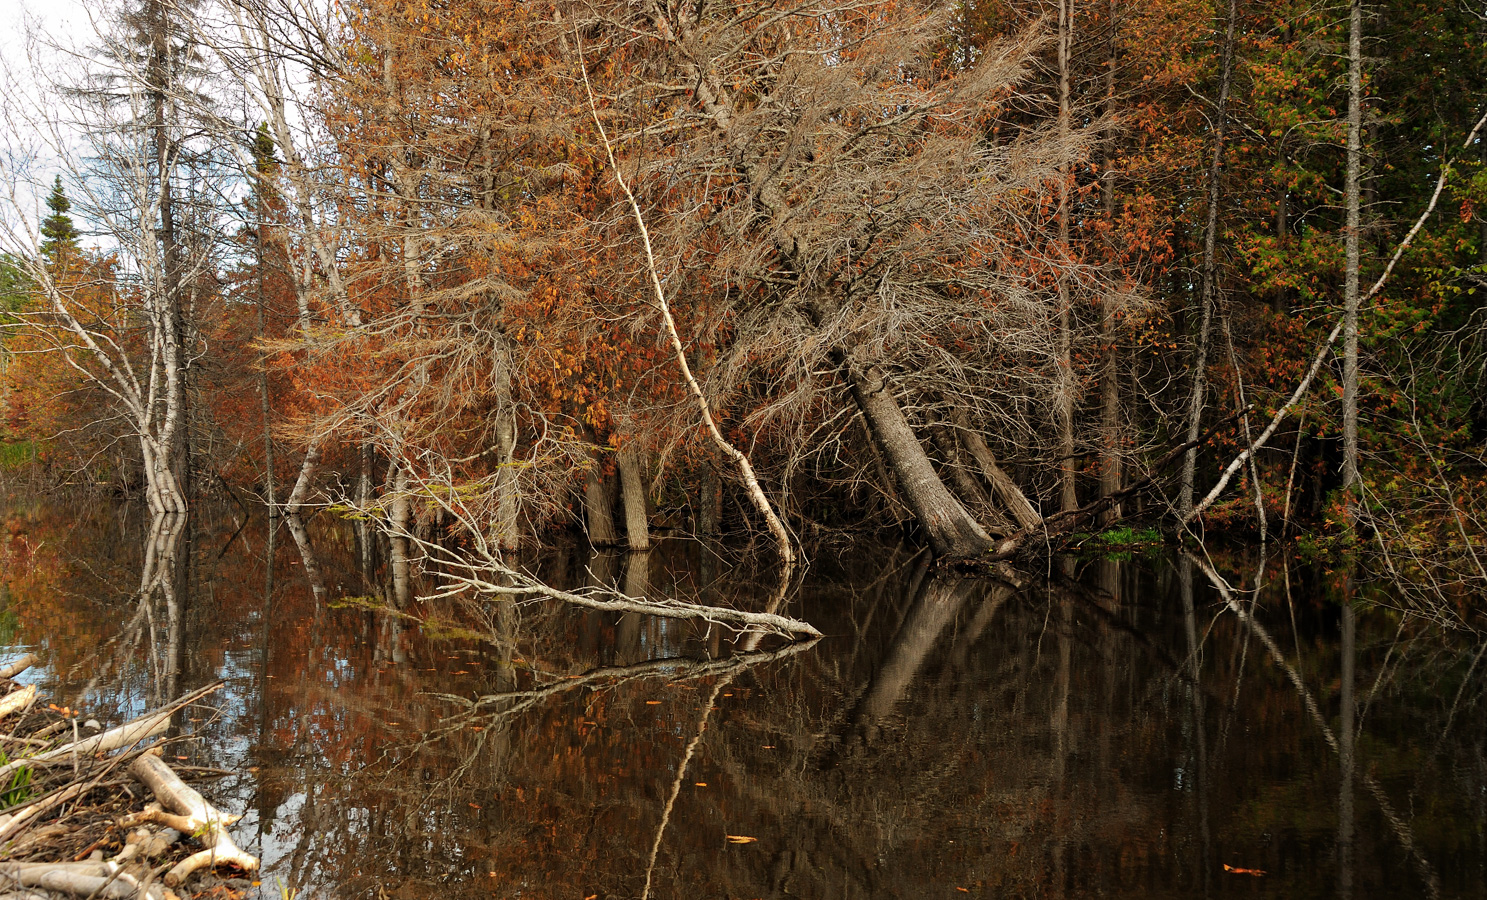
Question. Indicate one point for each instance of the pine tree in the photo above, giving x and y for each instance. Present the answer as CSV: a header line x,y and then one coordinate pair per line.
x,y
57,229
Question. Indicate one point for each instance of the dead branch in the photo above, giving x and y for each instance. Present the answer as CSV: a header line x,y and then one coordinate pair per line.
x,y
19,666
126,735
195,816
17,700
91,880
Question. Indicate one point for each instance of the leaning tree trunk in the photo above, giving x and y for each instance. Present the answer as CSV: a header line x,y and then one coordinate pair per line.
x,y
952,531
1011,496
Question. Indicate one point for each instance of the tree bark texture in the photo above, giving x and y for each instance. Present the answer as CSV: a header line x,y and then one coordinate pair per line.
x,y
1006,490
1352,252
1208,275
631,461
1063,401
951,530
598,506
1110,431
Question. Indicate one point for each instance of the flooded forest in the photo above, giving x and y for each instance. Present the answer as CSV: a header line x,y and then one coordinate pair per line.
x,y
837,448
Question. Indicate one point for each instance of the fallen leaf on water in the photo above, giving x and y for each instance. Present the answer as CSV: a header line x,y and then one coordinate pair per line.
x,y
740,839
1238,871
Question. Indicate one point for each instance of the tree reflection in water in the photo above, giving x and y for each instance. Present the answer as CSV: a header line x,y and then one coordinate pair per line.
x,y
1121,728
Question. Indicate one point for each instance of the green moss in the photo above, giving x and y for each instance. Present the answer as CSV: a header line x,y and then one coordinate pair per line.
x,y
1121,542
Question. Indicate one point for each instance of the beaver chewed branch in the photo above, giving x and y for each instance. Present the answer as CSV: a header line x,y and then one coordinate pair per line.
x,y
74,827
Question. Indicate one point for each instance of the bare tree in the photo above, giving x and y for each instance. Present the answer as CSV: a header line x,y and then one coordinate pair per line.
x,y
815,164
123,131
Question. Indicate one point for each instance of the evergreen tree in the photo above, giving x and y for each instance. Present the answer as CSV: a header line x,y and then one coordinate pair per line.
x,y
57,229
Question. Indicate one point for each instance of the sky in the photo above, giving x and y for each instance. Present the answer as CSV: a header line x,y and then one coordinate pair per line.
x,y
67,22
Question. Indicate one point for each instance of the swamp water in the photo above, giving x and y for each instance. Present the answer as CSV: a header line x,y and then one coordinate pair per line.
x,y
1117,730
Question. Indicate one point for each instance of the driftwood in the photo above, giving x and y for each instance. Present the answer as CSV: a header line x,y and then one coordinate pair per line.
x,y
11,823
19,666
191,814
17,700
90,879
126,735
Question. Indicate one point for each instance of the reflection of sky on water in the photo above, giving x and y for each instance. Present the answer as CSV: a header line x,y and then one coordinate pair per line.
x,y
946,734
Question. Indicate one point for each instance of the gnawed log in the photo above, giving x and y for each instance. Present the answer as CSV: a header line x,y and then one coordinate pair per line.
x,y
19,666
97,879
11,823
126,735
192,815
17,700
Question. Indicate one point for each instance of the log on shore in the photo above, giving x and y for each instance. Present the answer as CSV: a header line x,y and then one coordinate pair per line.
x,y
193,815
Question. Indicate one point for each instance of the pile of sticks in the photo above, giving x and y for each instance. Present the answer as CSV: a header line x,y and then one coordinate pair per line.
x,y
77,818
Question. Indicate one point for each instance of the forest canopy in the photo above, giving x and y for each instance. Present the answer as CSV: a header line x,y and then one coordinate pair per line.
x,y
984,271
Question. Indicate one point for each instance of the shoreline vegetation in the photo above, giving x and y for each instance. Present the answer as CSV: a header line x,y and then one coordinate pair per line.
x,y
485,274
1132,265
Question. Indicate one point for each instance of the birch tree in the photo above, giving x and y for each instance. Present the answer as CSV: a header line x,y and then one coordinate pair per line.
x,y
121,129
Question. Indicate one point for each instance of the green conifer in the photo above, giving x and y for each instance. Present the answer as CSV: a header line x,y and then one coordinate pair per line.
x,y
57,229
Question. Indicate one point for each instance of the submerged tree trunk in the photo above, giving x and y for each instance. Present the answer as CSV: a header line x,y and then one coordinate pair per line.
x,y
951,530
632,486
598,506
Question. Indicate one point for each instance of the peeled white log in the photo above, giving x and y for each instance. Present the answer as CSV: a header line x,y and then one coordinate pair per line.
x,y
93,881
193,816
19,666
126,735
17,700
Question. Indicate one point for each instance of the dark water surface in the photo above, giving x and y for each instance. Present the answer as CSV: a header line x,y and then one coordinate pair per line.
x,y
1109,731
